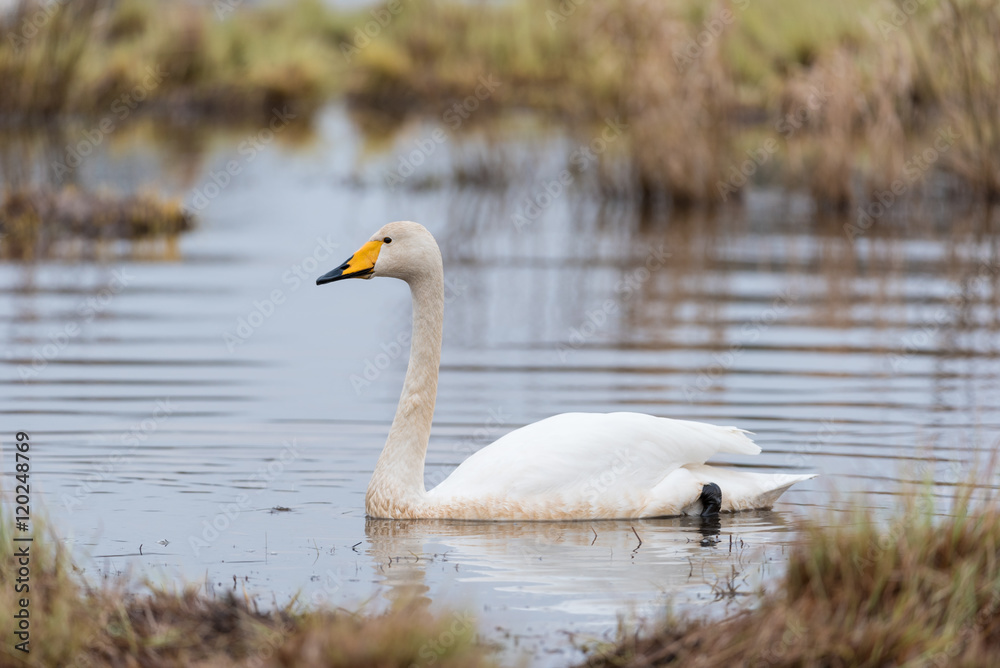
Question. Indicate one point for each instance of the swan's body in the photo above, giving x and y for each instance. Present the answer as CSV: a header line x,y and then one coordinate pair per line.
x,y
570,466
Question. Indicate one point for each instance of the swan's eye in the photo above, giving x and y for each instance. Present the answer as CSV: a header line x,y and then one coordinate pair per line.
x,y
387,240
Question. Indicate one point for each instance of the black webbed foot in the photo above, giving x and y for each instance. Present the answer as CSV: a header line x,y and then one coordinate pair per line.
x,y
711,500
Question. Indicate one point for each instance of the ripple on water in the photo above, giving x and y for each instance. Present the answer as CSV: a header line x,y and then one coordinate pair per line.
x,y
855,361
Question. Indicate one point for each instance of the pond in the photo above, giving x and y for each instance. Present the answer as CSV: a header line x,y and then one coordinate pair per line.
x,y
200,411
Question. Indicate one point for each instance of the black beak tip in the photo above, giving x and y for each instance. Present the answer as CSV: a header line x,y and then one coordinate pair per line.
x,y
339,275
331,276
325,278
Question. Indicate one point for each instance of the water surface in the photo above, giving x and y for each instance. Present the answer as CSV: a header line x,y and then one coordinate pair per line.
x,y
219,411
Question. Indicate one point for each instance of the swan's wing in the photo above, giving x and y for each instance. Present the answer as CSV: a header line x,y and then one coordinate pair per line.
x,y
582,456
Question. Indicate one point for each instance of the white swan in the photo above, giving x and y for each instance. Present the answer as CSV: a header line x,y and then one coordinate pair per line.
x,y
570,466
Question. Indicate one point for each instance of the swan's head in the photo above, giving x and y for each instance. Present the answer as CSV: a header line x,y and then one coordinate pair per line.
x,y
401,250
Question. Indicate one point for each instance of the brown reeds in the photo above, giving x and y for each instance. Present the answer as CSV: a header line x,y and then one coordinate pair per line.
x,y
696,84
41,55
919,590
693,82
174,59
966,37
76,624
33,220
919,587
677,103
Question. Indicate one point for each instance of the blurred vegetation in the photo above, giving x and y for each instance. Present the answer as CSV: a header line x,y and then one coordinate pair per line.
x,y
34,220
919,592
917,588
839,99
175,59
849,92
76,624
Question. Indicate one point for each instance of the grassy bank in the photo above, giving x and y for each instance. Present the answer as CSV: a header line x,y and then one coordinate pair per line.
x,y
72,624
847,101
844,100
917,592
178,60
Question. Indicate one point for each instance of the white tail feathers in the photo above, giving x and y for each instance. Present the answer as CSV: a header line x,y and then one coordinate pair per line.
x,y
737,442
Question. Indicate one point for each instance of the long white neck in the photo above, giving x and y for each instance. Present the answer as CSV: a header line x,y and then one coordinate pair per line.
x,y
397,486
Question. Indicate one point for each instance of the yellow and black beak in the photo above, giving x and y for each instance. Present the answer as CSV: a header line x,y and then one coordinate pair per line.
x,y
359,265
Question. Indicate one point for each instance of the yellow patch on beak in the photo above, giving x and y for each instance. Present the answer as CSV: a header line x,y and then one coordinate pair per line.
x,y
359,265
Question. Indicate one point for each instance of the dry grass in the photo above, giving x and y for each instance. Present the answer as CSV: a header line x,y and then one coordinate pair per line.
x,y
918,592
678,109
38,66
83,57
692,81
33,220
73,624
967,39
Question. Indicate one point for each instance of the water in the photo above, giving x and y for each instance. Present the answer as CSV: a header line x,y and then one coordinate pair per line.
x,y
216,416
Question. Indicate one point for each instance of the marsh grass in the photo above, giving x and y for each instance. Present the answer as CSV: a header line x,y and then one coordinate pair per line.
x,y
38,66
967,38
81,57
922,589
33,220
689,79
677,108
74,623
919,587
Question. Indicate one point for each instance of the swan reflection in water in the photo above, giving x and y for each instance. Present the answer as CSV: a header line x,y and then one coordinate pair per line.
x,y
586,567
